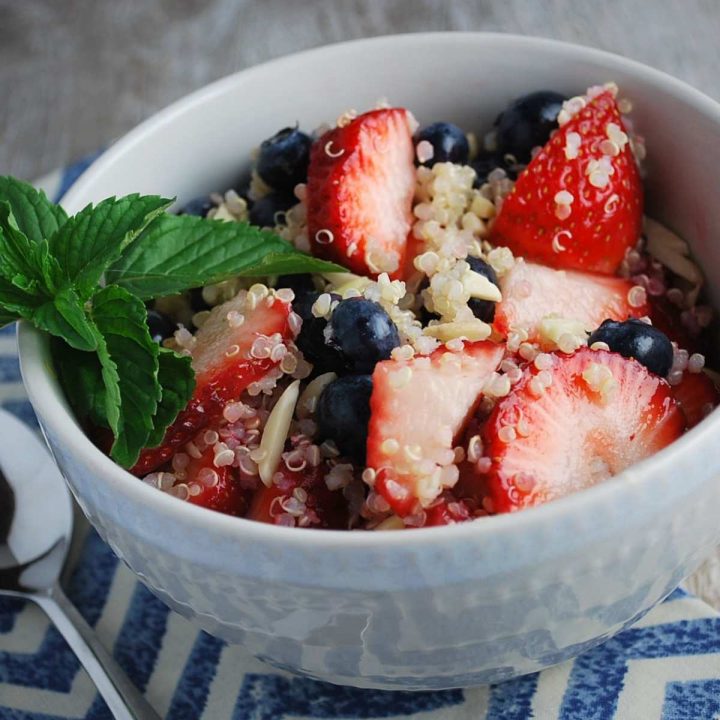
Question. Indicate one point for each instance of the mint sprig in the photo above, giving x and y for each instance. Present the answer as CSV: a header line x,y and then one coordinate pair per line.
x,y
36,217
83,279
88,243
129,361
177,252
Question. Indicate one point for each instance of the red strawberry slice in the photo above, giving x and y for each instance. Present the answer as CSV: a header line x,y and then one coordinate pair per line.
x,y
697,396
600,414
361,182
531,292
447,510
315,505
418,408
214,487
579,202
231,351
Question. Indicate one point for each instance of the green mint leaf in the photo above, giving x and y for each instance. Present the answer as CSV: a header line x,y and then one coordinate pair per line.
x,y
16,301
129,360
17,295
177,379
94,238
81,376
179,252
18,256
37,218
289,263
64,316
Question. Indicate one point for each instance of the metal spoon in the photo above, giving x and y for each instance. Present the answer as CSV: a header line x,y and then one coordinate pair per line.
x,y
36,520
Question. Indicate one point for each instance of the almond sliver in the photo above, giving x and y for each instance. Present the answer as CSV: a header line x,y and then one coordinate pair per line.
x,y
308,400
471,330
276,432
478,286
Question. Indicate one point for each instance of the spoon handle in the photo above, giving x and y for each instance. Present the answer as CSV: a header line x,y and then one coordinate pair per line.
x,y
122,697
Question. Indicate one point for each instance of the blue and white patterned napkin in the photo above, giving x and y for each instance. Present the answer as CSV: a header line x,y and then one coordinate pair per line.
x,y
666,667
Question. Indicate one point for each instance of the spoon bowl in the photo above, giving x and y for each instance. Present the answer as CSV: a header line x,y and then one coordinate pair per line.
x,y
36,515
36,524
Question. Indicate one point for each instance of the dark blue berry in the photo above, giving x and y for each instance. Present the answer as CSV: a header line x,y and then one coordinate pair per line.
x,y
486,162
527,123
636,339
199,206
482,309
160,325
311,341
242,185
300,284
363,333
343,413
449,143
264,211
283,159
197,301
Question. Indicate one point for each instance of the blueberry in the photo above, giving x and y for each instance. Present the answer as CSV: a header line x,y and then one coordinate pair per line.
x,y
160,325
448,141
300,284
363,333
636,339
283,159
483,309
199,206
311,340
264,211
197,301
486,162
343,413
527,123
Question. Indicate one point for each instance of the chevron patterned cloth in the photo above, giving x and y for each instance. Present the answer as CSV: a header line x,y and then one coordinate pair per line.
x,y
667,666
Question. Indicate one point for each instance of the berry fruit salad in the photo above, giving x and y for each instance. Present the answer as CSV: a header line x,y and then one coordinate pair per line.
x,y
383,326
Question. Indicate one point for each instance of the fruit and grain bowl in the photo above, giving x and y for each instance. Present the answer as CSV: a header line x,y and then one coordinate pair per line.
x,y
412,385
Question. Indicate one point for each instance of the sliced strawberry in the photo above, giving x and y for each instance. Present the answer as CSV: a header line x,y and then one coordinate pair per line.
x,y
447,510
214,487
315,506
600,414
577,208
225,364
697,396
418,408
361,182
531,292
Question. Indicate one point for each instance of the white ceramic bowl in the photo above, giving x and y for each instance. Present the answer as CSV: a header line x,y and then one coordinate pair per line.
x,y
439,607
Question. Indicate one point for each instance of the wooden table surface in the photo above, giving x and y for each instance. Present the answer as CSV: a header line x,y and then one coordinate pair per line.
x,y
74,74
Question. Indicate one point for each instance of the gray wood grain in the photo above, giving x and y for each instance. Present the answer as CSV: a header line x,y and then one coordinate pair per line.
x,y
76,73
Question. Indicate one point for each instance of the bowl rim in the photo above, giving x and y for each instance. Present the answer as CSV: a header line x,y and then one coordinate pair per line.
x,y
37,371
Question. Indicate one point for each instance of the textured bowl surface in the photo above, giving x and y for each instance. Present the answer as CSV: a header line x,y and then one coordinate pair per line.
x,y
442,607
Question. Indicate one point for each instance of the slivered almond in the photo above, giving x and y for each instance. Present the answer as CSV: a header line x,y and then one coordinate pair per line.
x,y
551,329
276,431
222,213
671,251
471,330
391,523
478,286
358,284
308,400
